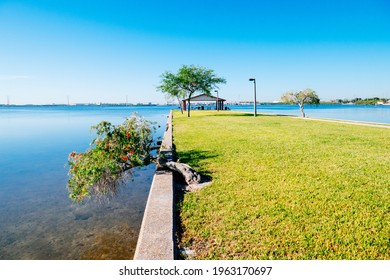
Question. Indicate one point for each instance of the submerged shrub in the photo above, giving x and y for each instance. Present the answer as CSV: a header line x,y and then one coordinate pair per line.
x,y
116,149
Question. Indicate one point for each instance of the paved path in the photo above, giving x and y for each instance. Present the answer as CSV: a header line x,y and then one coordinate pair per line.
x,y
370,124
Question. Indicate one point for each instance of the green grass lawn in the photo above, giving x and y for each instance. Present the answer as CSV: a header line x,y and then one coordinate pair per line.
x,y
284,188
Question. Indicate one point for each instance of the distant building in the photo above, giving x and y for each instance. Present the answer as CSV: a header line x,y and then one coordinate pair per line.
x,y
204,102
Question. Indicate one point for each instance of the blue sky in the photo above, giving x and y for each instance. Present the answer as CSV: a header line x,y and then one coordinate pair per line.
x,y
107,51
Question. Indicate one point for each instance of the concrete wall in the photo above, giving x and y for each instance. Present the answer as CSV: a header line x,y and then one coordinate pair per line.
x,y
156,238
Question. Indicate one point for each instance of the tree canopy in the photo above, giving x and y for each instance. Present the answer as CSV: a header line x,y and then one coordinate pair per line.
x,y
307,96
116,149
170,87
187,81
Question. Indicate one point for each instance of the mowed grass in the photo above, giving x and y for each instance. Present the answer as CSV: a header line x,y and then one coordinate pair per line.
x,y
284,188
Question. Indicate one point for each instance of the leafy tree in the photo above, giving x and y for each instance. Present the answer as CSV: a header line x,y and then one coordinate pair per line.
x,y
116,149
170,87
188,80
113,153
302,97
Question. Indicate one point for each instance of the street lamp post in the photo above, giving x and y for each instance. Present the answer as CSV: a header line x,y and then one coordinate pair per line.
x,y
254,90
217,100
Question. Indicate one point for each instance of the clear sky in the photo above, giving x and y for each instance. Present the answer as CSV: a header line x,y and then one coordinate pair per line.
x,y
107,51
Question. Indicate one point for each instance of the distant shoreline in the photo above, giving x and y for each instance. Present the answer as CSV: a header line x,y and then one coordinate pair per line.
x,y
82,104
172,105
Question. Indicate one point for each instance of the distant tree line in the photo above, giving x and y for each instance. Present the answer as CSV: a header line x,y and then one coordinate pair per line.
x,y
365,101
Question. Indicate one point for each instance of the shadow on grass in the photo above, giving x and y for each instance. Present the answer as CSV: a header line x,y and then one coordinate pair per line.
x,y
249,115
193,158
240,114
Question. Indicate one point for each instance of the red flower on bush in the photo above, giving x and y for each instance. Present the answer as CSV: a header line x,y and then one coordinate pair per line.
x,y
128,135
124,158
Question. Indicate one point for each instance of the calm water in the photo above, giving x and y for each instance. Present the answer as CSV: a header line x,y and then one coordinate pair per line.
x,y
37,219
365,113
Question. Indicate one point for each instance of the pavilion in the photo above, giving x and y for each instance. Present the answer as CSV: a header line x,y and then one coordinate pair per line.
x,y
219,102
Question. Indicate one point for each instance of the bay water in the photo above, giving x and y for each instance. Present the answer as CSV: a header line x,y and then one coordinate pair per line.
x,y
37,218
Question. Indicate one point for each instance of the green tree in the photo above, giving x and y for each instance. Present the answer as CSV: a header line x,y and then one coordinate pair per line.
x,y
107,164
188,80
170,87
302,97
116,149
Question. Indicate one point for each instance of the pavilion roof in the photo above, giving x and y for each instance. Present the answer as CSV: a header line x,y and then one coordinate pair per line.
x,y
204,97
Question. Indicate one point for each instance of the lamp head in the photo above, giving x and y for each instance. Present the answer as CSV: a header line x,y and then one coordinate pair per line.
x,y
252,79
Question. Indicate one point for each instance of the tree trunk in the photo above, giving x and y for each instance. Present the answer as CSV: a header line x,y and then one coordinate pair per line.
x,y
189,107
302,112
181,106
189,174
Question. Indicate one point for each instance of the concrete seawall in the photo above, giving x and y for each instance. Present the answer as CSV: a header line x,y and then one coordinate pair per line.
x,y
156,238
